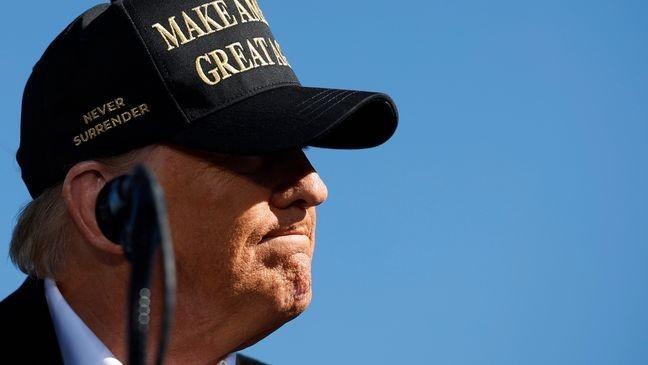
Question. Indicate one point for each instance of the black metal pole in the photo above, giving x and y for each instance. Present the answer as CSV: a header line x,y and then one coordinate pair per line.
x,y
133,213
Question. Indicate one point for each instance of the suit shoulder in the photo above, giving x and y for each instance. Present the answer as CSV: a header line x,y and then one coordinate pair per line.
x,y
23,300
245,360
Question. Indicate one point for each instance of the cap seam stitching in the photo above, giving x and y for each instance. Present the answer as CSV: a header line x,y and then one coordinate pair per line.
x,y
327,105
334,104
160,69
241,96
314,96
329,94
322,102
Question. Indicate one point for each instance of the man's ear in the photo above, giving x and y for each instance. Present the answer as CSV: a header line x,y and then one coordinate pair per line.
x,y
81,188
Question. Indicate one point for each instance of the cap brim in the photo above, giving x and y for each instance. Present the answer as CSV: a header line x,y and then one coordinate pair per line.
x,y
290,117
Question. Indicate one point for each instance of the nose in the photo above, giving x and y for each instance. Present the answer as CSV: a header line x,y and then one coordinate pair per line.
x,y
305,189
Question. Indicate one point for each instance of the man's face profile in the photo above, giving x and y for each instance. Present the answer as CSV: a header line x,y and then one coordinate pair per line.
x,y
243,230
242,219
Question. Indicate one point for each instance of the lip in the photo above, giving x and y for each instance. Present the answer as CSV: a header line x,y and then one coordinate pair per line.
x,y
293,239
287,238
286,233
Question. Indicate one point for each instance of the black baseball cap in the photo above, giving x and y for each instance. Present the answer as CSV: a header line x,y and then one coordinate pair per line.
x,y
202,74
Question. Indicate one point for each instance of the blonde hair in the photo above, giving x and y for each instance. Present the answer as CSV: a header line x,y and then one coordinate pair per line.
x,y
41,237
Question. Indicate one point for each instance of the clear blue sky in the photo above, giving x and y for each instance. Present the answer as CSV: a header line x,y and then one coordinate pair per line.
x,y
507,220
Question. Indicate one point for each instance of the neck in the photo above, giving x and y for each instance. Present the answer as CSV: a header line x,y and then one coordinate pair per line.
x,y
100,300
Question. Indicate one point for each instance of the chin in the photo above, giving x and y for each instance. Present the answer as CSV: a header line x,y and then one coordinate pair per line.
x,y
301,303
280,314
291,302
298,295
298,306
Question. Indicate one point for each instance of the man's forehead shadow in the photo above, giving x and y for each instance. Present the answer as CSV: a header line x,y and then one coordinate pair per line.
x,y
277,170
274,170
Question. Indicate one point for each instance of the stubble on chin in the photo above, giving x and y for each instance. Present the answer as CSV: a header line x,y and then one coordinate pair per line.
x,y
281,286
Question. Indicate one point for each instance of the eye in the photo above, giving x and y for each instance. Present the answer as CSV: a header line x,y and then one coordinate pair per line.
x,y
260,165
269,170
245,165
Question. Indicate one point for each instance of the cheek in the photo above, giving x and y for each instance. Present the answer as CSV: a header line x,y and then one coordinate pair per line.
x,y
216,238
209,233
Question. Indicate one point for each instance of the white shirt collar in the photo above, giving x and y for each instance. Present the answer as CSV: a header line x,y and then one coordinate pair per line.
x,y
79,345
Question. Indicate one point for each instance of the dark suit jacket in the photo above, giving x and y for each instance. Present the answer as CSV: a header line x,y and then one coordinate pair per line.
x,y
26,331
